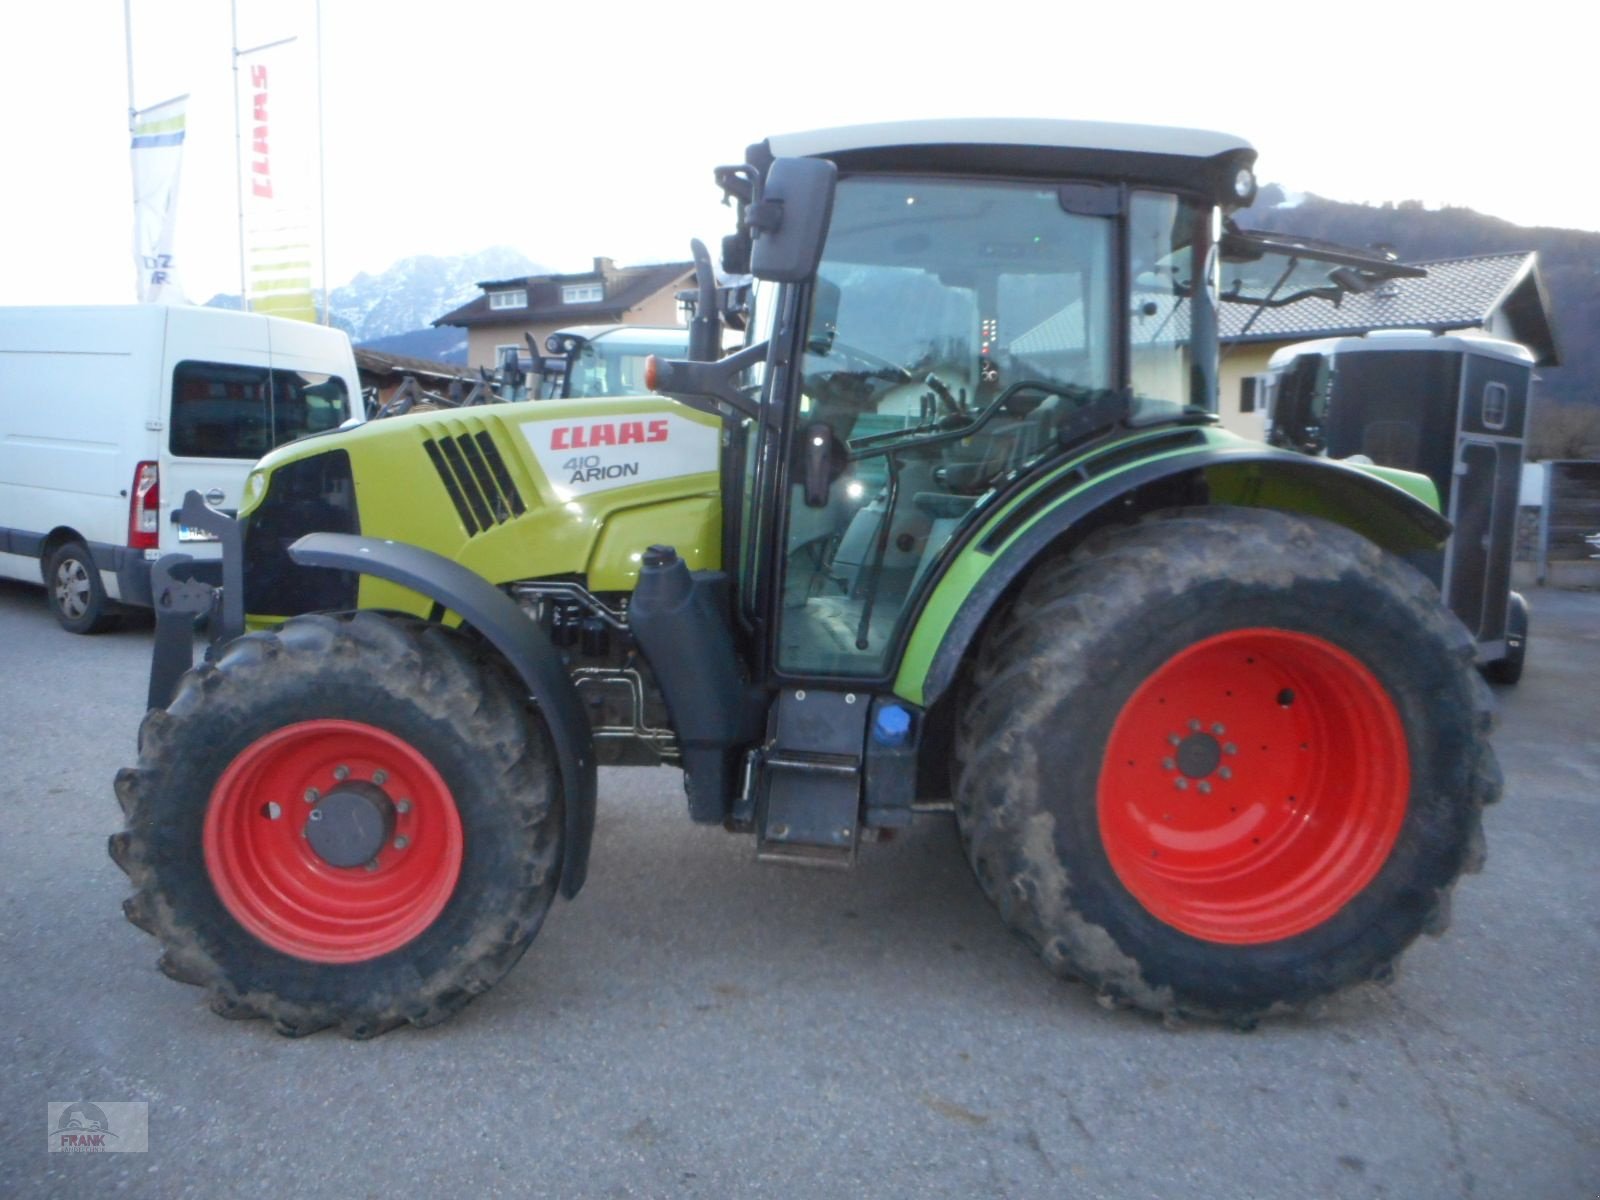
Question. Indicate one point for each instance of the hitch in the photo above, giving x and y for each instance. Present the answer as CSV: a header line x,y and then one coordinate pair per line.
x,y
181,598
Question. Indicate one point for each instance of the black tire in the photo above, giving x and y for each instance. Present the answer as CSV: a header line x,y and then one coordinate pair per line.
x,y
77,597
460,709
1508,670
1088,630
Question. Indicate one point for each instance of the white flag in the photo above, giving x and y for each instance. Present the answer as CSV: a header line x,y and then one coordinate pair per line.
x,y
157,159
278,118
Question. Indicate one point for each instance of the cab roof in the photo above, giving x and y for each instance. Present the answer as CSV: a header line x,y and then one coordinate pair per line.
x,y
1009,131
1191,160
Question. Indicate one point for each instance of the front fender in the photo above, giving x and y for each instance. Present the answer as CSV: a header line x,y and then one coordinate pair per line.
x,y
1402,519
498,618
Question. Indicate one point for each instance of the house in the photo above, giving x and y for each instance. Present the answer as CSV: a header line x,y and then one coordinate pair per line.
x,y
1499,294
508,309
382,374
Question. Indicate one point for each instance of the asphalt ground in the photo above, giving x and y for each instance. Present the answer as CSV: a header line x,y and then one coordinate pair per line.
x,y
698,1024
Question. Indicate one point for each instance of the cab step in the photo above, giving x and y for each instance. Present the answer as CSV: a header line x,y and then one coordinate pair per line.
x,y
808,809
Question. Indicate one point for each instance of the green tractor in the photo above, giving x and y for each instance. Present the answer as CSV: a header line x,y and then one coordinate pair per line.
x,y
957,530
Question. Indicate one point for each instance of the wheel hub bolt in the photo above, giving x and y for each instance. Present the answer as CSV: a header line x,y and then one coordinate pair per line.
x,y
341,773
400,843
1181,783
371,866
1224,772
403,807
380,777
1203,788
312,795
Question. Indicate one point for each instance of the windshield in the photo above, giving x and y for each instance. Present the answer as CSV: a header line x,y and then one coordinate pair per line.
x,y
935,296
615,367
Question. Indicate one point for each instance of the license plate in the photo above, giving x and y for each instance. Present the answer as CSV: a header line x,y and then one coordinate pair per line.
x,y
188,533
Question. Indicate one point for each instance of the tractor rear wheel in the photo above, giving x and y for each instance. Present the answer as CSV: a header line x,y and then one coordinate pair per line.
x,y
1224,762
350,821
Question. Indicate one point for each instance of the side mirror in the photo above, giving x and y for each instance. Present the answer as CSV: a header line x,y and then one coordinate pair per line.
x,y
789,222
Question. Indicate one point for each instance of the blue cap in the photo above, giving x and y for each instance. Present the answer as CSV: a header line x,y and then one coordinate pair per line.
x,y
892,726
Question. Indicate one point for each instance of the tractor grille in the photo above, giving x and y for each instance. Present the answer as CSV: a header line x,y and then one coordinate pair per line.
x,y
476,479
313,495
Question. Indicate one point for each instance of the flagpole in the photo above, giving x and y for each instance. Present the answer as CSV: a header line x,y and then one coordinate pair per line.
x,y
238,153
127,26
322,179
133,116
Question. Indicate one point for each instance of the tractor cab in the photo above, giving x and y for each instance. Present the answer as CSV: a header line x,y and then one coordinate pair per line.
x,y
944,307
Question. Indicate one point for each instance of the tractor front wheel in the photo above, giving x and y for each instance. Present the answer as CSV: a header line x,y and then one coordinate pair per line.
x,y
1224,762
349,821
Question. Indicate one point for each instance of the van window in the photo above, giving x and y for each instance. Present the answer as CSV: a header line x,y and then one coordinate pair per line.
x,y
220,410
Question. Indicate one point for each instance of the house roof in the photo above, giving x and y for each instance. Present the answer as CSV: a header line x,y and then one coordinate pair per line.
x,y
1456,293
376,362
625,287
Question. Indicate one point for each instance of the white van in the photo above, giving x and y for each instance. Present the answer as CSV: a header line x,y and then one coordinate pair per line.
x,y
108,415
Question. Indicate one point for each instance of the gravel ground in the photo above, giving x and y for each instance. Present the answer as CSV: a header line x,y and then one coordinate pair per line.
x,y
697,1024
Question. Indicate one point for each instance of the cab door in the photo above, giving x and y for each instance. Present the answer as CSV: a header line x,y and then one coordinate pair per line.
x,y
952,326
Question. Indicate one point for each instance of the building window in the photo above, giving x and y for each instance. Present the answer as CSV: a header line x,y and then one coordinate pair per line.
x,y
517,298
509,349
1496,403
582,293
1247,394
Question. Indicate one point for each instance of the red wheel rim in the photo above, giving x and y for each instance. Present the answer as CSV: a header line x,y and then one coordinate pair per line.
x,y
270,878
1253,785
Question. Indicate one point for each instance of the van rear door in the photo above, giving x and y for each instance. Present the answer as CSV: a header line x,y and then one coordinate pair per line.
x,y
219,418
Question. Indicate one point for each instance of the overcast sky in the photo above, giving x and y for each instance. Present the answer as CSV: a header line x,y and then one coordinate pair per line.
x,y
569,131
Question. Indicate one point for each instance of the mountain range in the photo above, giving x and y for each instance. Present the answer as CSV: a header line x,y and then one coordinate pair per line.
x,y
392,310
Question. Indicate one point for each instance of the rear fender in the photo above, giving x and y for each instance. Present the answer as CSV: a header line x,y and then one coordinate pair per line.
x,y
1396,510
507,628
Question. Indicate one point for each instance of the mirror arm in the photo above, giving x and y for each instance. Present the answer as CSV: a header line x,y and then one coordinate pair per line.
x,y
696,383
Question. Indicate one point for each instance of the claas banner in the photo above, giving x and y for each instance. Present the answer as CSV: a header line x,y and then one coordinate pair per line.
x,y
278,127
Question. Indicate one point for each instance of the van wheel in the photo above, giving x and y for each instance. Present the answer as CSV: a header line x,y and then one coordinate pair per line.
x,y
76,593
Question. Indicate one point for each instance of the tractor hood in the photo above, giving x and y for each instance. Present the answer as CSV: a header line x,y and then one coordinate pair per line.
x,y
511,491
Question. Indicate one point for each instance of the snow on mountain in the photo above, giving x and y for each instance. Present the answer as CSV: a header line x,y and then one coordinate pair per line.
x,y
409,295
